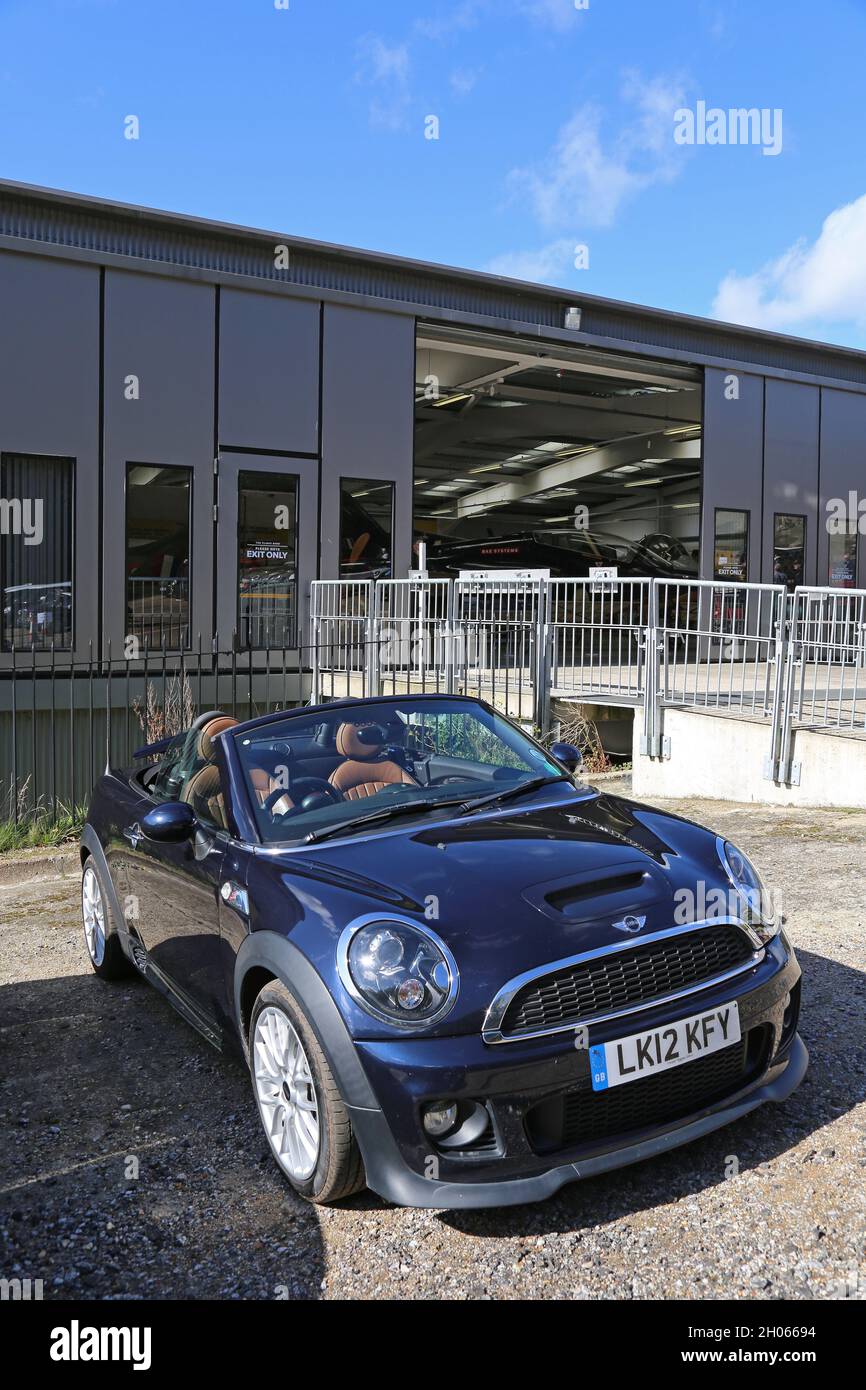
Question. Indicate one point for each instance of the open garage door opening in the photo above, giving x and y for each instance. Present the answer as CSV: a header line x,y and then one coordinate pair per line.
x,y
533,456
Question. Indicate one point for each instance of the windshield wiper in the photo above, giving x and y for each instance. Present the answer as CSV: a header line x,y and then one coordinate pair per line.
x,y
518,790
402,808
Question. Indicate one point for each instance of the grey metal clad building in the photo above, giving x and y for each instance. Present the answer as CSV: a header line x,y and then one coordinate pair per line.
x,y
212,417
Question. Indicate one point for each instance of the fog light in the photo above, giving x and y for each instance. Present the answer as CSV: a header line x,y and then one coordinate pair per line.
x,y
439,1118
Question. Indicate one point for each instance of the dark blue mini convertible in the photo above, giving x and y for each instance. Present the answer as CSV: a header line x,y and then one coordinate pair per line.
x,y
459,975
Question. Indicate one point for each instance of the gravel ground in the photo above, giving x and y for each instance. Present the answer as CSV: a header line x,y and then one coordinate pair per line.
x,y
98,1082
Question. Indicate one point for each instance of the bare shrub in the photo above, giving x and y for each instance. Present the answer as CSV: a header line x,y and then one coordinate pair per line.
x,y
172,716
574,727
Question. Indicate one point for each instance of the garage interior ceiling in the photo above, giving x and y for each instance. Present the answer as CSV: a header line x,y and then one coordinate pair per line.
x,y
523,433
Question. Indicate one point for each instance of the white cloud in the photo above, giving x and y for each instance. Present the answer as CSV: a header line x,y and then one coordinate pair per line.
x,y
818,283
548,264
386,67
587,176
462,81
557,14
445,23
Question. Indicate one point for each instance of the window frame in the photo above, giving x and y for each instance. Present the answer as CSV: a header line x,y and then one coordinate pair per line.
x,y
11,655
189,470
733,511
391,484
296,538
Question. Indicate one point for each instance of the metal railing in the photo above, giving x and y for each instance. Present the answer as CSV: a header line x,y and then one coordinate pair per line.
x,y
791,662
62,722
828,637
158,612
596,630
752,650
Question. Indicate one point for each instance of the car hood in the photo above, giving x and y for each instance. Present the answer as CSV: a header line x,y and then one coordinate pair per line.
x,y
516,889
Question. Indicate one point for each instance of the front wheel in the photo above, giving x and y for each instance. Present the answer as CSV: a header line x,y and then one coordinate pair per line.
x,y
299,1102
100,929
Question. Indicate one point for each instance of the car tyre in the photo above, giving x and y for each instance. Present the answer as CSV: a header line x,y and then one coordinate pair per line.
x,y
299,1102
100,925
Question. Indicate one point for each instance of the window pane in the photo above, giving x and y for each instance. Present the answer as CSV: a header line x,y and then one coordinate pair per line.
x,y
843,558
267,559
157,555
731,550
789,549
366,525
36,527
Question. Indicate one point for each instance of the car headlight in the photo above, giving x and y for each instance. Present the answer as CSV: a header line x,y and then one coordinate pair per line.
x,y
757,909
399,972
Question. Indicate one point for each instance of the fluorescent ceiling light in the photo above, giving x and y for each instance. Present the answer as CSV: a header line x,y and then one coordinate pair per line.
x,y
451,400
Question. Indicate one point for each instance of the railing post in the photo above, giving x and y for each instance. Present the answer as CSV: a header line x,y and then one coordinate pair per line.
x,y
450,640
651,744
371,638
542,666
315,641
780,708
786,770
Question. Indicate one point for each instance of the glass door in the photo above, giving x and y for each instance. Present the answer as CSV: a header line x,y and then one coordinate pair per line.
x,y
266,550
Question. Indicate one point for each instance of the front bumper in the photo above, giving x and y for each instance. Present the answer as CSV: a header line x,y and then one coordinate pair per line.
x,y
405,1166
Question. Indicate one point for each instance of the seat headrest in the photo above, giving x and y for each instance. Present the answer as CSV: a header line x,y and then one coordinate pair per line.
x,y
208,732
362,741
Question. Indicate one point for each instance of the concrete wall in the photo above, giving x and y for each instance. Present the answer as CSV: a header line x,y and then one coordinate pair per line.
x,y
721,757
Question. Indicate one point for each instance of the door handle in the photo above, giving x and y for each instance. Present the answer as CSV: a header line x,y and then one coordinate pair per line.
x,y
132,833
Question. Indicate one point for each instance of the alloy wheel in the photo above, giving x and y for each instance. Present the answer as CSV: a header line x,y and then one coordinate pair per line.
x,y
286,1094
93,913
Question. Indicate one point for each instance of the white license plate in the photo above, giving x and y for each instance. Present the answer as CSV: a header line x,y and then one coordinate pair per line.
x,y
659,1049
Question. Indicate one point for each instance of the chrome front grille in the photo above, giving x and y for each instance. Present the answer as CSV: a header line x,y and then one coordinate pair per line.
x,y
621,979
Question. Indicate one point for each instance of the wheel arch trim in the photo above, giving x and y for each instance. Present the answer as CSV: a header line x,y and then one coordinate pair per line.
x,y
269,951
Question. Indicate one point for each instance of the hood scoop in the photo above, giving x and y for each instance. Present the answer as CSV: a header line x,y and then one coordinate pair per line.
x,y
621,888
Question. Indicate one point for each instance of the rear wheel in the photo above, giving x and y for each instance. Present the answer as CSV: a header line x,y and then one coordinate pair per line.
x,y
100,928
301,1109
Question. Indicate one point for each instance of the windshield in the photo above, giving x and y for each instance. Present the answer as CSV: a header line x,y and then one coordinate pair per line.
x,y
308,775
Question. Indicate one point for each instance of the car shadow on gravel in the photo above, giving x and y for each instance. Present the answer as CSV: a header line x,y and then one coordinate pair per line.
x,y
833,1026
132,1162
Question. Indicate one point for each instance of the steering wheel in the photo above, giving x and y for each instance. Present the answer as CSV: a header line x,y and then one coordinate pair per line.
x,y
301,788
447,777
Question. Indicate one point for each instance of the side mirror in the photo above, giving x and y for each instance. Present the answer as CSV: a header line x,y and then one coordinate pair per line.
x,y
172,820
566,753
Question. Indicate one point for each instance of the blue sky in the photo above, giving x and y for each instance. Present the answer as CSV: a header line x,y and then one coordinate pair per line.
x,y
556,130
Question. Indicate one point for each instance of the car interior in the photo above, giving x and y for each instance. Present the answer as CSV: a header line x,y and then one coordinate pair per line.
x,y
305,765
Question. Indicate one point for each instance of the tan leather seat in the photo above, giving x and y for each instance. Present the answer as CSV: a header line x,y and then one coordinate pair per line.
x,y
364,771
203,790
204,793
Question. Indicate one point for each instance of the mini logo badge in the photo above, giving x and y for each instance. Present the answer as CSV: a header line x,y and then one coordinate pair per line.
x,y
630,924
